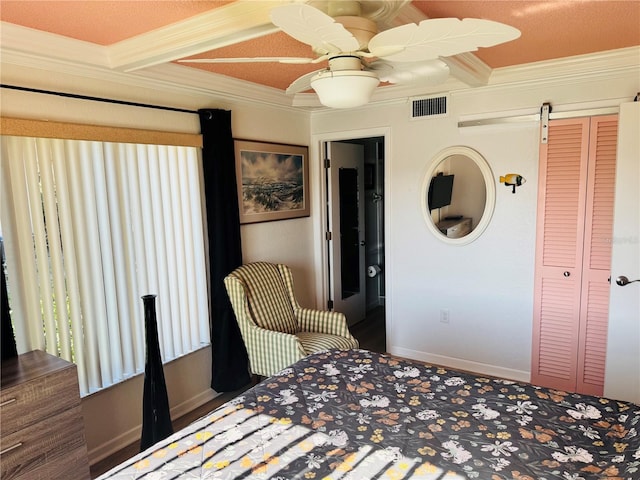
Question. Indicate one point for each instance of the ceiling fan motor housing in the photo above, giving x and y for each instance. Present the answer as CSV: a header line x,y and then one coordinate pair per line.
x,y
361,28
344,62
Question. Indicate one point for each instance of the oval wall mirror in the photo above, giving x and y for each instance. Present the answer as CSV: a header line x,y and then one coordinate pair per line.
x,y
458,195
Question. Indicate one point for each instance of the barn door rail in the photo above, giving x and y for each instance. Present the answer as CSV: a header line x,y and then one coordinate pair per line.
x,y
544,112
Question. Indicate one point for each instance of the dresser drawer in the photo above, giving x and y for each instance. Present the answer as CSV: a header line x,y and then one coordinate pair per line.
x,y
53,448
25,404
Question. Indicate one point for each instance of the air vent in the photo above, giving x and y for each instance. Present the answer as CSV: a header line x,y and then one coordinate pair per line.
x,y
429,107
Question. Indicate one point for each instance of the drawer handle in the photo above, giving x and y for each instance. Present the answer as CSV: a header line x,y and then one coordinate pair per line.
x,y
7,402
12,447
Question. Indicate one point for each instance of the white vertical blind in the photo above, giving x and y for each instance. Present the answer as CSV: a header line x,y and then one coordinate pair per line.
x,y
172,265
55,252
89,228
19,246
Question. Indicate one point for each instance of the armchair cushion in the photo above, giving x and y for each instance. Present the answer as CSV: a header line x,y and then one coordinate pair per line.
x,y
267,297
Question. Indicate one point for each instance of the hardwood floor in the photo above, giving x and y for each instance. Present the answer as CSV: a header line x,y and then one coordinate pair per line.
x,y
370,333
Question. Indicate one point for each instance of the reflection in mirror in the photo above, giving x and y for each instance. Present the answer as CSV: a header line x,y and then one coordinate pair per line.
x,y
466,201
458,195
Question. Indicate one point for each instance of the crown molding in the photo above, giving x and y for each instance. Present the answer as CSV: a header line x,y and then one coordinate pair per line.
x,y
18,39
194,80
609,62
170,78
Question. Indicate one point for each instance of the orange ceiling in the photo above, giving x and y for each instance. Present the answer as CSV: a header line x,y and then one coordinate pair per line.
x,y
550,29
99,21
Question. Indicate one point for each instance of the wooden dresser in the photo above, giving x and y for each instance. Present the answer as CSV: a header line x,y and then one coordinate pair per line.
x,y
41,425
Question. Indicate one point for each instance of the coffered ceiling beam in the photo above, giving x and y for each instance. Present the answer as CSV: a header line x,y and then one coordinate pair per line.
x,y
232,23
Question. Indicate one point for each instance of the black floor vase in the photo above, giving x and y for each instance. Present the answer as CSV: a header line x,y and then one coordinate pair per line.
x,y
156,417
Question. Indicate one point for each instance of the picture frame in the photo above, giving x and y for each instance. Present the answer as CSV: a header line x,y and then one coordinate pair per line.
x,y
273,181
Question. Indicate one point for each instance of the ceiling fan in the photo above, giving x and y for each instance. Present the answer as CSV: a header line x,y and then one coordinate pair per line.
x,y
359,57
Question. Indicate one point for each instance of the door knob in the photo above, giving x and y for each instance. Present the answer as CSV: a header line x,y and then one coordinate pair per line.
x,y
622,281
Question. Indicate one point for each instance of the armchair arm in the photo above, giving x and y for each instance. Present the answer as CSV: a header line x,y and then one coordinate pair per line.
x,y
323,321
269,351
309,320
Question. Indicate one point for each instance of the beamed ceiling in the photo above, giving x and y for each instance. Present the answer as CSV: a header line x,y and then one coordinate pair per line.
x,y
141,37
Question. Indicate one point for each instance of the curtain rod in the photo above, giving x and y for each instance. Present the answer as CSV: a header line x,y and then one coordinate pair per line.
x,y
97,99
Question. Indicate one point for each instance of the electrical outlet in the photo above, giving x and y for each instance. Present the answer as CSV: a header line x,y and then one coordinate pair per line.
x,y
444,315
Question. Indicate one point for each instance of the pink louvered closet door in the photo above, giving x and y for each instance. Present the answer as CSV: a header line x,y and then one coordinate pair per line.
x,y
573,254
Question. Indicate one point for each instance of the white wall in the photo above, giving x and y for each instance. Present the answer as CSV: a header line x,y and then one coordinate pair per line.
x,y
113,416
487,285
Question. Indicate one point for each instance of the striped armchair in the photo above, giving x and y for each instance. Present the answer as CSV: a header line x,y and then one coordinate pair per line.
x,y
276,330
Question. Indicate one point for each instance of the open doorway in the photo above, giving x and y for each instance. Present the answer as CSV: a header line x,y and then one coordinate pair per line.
x,y
356,245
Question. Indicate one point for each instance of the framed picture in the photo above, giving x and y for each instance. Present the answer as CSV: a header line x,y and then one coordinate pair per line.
x,y
273,181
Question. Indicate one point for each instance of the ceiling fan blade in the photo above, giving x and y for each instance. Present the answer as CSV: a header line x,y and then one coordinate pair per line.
x,y
303,83
429,72
289,60
439,37
313,27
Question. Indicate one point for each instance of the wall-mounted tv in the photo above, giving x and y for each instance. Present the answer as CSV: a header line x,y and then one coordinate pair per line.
x,y
440,190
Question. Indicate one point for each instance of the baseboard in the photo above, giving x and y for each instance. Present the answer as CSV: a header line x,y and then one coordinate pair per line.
x,y
461,364
193,403
133,435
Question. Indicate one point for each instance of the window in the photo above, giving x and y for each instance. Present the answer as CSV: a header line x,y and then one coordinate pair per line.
x,y
89,227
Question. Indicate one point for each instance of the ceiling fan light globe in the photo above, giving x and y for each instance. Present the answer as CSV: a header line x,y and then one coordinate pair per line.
x,y
344,89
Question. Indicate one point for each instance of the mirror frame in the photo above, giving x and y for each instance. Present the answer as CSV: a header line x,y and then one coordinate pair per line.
x,y
490,199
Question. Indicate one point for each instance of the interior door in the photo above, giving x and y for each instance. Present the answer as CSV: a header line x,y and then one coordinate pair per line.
x,y
573,261
346,245
622,374
561,206
596,259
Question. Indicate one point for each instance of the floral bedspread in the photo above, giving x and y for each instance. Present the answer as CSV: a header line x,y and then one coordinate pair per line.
x,y
361,415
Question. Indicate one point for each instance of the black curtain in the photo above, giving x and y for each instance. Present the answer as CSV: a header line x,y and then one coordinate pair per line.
x,y
8,341
230,369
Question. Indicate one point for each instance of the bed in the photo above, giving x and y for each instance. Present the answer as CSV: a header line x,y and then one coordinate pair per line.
x,y
361,415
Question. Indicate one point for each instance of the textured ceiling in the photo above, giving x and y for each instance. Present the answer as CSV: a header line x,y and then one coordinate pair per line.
x,y
550,29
